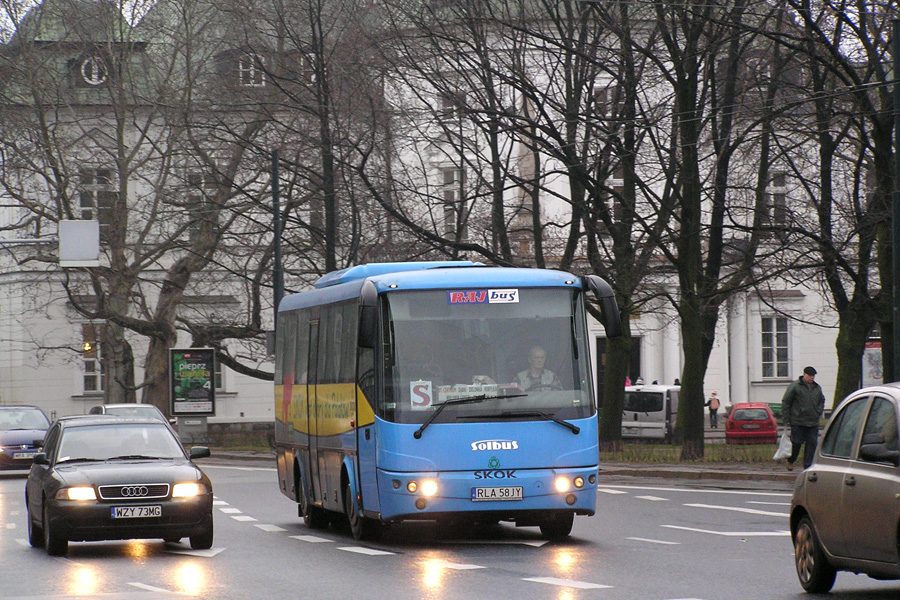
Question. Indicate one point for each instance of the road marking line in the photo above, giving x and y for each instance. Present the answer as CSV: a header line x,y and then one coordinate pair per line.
x,y
367,551
231,511
270,527
610,491
749,511
202,553
637,539
582,585
243,518
443,564
219,503
532,543
311,539
652,498
733,533
10,525
149,588
768,503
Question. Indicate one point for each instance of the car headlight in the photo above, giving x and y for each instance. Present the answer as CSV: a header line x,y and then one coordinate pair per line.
x,y
188,490
76,493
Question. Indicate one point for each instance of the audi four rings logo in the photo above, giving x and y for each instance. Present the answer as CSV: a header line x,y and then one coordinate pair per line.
x,y
135,491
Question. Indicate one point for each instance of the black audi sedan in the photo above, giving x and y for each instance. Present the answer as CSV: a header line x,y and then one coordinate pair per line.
x,y
101,477
20,428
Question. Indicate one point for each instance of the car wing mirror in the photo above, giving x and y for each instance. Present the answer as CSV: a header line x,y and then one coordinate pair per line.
x,y
199,452
41,459
879,453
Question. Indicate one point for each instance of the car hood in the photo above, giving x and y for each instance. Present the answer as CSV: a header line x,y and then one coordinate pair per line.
x,y
121,472
17,437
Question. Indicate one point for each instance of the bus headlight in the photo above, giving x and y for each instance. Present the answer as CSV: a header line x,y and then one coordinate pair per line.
x,y
562,484
579,482
411,487
429,487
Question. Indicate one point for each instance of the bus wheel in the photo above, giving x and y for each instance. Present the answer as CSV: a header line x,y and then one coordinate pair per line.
x,y
558,527
361,527
313,516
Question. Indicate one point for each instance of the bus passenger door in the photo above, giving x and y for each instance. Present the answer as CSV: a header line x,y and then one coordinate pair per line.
x,y
365,431
315,487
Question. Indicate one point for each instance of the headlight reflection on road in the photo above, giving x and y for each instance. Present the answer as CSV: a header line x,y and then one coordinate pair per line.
x,y
83,581
564,560
433,574
190,578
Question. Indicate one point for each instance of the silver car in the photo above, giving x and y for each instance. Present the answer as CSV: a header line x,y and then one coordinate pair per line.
x,y
845,511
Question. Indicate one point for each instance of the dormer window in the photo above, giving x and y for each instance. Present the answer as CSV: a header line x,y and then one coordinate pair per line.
x,y
94,71
251,70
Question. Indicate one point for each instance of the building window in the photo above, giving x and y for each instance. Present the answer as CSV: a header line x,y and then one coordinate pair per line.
x,y
251,70
202,186
774,347
91,358
96,195
450,106
454,209
776,213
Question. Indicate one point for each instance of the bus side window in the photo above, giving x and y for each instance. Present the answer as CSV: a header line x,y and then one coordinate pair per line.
x,y
301,364
348,343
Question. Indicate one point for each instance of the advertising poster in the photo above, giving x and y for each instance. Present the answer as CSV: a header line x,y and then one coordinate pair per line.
x,y
191,384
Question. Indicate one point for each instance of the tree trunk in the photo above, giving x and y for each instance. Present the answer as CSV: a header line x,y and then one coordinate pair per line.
x,y
854,325
691,398
618,354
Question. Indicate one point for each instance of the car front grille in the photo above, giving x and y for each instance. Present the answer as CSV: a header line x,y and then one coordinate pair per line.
x,y
135,491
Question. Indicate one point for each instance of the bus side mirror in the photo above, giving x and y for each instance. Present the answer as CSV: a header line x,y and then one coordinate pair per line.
x,y
368,316
606,299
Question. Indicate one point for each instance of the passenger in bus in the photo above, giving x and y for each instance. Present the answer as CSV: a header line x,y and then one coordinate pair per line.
x,y
536,377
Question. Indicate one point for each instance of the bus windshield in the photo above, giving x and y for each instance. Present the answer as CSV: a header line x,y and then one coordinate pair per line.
x,y
521,359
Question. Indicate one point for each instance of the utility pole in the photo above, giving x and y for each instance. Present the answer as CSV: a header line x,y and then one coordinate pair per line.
x,y
277,272
895,200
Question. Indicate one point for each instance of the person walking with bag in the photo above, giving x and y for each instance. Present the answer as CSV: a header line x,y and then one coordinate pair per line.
x,y
802,407
713,404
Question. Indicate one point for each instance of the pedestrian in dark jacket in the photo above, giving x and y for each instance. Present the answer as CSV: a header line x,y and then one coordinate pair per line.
x,y
802,407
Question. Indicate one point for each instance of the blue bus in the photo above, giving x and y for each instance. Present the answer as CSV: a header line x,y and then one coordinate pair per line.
x,y
442,391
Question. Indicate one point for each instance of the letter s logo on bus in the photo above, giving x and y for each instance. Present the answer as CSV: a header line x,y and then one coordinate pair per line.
x,y
420,395
493,445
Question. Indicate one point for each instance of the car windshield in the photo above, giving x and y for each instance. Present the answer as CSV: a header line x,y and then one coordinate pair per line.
x,y
135,410
750,414
444,347
643,401
103,442
22,418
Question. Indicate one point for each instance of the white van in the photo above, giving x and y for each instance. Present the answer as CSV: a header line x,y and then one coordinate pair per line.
x,y
650,411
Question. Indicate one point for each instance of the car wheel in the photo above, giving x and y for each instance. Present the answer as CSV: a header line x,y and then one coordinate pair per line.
x,y
558,526
203,541
56,544
813,569
35,533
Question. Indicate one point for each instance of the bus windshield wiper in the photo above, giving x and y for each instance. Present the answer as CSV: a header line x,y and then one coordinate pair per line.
x,y
536,413
470,400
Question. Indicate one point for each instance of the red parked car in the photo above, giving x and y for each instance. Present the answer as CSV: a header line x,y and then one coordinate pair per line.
x,y
751,423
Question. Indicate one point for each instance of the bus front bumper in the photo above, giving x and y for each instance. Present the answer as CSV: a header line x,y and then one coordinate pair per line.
x,y
500,494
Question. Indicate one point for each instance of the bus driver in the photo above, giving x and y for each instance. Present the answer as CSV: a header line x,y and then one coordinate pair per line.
x,y
536,377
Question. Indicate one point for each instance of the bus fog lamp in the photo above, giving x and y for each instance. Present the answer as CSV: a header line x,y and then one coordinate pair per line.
x,y
421,503
562,484
570,499
411,487
429,487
